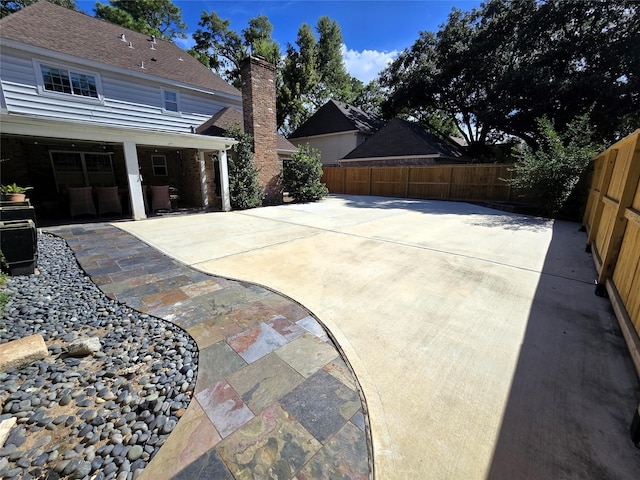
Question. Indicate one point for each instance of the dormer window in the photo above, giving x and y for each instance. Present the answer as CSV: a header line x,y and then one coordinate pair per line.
x,y
170,100
65,81
57,79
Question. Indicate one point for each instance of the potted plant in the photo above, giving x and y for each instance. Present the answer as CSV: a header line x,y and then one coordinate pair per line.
x,y
14,193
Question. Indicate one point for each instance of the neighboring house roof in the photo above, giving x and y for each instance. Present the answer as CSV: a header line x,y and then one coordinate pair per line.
x,y
335,117
400,138
228,117
48,26
285,145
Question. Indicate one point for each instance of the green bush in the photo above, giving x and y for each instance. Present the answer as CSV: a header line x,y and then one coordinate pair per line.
x,y
244,189
550,172
302,175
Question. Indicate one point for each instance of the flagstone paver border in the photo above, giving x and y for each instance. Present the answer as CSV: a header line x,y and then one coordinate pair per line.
x,y
273,393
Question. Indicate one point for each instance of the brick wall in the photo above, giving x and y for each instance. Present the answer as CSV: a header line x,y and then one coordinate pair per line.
x,y
188,183
259,110
13,168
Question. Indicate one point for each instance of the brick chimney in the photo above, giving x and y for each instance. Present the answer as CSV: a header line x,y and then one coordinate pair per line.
x,y
259,109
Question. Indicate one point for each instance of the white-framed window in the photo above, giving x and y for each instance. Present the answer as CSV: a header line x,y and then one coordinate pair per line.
x,y
58,79
82,169
159,164
170,101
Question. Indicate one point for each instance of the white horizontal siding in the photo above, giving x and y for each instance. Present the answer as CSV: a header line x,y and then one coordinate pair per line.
x,y
126,102
17,69
197,105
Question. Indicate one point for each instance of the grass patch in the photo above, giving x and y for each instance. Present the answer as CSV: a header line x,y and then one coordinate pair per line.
x,y
4,296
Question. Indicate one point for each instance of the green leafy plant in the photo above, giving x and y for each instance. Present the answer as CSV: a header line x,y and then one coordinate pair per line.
x,y
302,175
550,172
14,188
244,189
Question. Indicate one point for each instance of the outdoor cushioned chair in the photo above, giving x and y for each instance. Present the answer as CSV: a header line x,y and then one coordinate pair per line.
x,y
108,200
81,201
160,199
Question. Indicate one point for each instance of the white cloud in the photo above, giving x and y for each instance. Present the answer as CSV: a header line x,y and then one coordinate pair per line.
x,y
366,65
185,43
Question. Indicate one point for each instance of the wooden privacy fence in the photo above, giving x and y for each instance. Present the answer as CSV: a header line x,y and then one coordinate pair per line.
x,y
612,218
442,182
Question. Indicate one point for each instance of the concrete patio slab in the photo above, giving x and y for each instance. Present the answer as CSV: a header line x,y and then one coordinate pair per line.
x,y
475,334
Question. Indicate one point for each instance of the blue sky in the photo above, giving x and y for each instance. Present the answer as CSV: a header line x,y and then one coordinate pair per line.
x,y
374,31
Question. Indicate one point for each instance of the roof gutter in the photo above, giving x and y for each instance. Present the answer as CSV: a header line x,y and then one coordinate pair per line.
x,y
396,157
33,126
344,132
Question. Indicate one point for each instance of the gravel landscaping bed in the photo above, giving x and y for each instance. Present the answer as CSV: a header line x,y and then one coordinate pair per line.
x,y
101,416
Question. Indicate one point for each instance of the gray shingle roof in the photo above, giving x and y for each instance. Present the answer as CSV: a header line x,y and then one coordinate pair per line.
x,y
334,117
221,122
59,29
228,117
400,138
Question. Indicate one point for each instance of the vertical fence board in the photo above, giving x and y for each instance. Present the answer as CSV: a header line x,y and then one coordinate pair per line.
x,y
336,178
441,182
357,181
595,189
621,194
604,164
613,218
626,276
388,181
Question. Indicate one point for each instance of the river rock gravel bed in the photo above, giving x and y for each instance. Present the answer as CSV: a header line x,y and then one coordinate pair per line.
x,y
102,416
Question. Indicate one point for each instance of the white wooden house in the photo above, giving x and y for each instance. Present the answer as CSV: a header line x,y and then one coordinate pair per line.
x,y
87,103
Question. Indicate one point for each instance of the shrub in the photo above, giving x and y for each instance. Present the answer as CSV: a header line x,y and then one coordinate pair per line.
x,y
244,189
550,172
302,175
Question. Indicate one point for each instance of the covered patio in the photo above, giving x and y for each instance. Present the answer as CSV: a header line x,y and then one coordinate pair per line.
x,y
56,157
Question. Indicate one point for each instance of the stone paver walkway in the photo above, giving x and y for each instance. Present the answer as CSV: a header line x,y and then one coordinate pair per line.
x,y
274,397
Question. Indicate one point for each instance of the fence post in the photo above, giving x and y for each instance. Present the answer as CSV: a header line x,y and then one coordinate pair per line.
x,y
492,184
449,183
406,186
370,179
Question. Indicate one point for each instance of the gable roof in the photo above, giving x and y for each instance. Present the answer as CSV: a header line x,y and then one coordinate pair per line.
x,y
400,138
79,35
228,117
221,121
334,117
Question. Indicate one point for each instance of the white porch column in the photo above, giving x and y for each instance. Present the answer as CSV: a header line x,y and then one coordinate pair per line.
x,y
135,184
224,181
